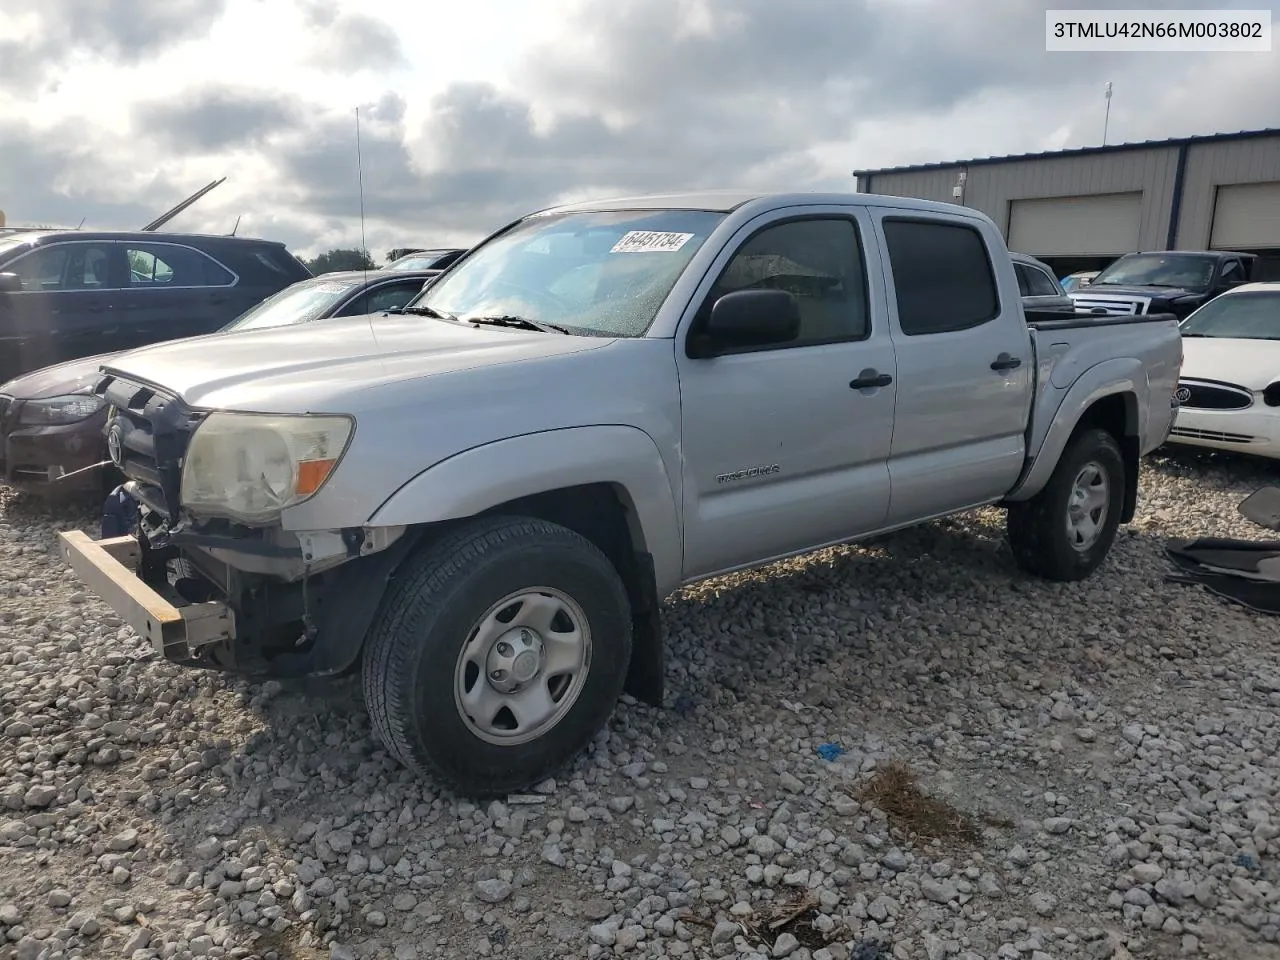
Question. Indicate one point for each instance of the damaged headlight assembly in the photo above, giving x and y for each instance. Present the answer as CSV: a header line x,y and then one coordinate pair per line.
x,y
59,411
248,467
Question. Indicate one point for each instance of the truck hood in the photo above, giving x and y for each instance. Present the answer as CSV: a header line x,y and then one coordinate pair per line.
x,y
1135,290
1250,363
304,367
74,376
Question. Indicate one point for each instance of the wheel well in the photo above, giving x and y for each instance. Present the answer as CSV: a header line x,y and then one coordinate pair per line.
x,y
1117,414
602,513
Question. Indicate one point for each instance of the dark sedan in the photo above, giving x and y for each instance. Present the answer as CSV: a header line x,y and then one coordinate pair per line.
x,y
52,427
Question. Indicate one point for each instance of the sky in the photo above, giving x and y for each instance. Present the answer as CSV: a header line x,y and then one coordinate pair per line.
x,y
472,114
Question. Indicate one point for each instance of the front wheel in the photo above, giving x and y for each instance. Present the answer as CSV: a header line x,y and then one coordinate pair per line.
x,y
499,651
1065,531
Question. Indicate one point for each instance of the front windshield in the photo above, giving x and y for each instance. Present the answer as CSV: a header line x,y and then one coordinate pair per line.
x,y
595,273
300,303
1239,316
422,260
1156,270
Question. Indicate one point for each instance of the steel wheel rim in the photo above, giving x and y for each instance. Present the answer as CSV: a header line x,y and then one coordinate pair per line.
x,y
523,666
1087,505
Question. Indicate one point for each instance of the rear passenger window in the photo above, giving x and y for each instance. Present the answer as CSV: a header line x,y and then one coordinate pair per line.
x,y
171,265
942,276
1041,284
1024,284
818,261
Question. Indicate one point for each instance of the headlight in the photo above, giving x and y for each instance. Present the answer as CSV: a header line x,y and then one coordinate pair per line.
x,y
250,466
54,411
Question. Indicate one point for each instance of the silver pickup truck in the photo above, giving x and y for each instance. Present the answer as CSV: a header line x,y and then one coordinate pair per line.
x,y
480,503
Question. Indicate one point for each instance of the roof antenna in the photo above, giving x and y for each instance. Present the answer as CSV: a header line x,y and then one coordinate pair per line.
x,y
1107,119
364,247
236,227
81,223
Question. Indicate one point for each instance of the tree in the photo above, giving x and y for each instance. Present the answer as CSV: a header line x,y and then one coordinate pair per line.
x,y
341,259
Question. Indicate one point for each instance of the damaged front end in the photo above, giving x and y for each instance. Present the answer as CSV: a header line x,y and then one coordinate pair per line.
x,y
217,592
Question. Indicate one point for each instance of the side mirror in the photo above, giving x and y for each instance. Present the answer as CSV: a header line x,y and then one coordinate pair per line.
x,y
752,318
10,283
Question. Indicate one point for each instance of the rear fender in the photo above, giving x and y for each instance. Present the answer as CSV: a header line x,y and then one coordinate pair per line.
x,y
488,476
1124,377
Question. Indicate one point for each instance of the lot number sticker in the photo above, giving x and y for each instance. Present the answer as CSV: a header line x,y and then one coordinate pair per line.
x,y
647,241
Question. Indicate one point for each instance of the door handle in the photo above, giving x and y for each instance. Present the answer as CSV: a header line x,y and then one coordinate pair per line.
x,y
1006,362
870,378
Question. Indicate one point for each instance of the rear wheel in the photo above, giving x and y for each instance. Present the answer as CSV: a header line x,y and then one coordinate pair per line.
x,y
1066,530
499,652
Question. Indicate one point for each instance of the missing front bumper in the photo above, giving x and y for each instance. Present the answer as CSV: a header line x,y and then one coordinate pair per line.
x,y
109,569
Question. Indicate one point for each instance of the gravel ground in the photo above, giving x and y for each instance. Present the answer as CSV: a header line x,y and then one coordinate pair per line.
x,y
1107,749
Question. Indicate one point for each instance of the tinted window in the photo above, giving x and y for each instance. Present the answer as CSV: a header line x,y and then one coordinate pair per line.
x,y
942,276
170,265
1024,284
817,261
1232,271
1041,284
383,298
262,264
64,266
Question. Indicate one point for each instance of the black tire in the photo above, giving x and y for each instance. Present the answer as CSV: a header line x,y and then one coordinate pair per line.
x,y
414,646
1038,528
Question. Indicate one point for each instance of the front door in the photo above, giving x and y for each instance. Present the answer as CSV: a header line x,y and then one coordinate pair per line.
x,y
66,308
785,448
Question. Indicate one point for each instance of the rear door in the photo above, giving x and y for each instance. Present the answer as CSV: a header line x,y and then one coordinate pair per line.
x,y
174,291
964,364
785,447
66,308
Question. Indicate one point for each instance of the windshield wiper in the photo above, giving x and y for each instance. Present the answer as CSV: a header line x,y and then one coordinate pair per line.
x,y
1195,334
429,312
524,323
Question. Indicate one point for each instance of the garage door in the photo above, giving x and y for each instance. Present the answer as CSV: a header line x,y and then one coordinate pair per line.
x,y
1246,216
1100,225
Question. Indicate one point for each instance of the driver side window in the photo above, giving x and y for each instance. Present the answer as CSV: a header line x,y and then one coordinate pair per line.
x,y
819,261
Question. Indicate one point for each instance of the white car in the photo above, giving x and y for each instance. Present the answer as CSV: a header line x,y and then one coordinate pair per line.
x,y
1229,390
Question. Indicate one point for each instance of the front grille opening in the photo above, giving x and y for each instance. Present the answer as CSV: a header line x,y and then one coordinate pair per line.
x,y
1217,435
1207,396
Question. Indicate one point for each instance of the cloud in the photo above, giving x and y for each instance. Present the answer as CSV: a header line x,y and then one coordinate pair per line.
x,y
121,31
624,96
217,118
350,42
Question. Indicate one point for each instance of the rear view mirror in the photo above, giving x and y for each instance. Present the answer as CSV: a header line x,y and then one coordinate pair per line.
x,y
10,283
752,318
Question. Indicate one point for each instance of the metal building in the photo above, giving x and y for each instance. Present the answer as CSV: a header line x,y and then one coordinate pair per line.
x,y
1079,209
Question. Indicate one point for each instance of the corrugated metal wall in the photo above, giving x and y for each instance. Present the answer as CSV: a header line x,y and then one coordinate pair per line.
x,y
991,187
1216,164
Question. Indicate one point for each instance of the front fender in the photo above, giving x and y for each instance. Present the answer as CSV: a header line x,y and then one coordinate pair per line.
x,y
483,477
1120,376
